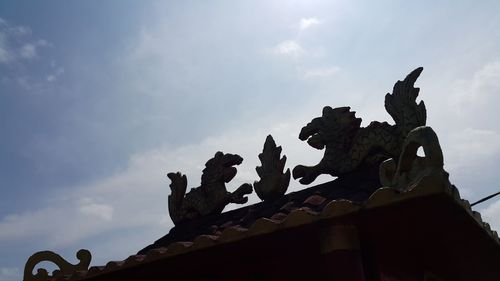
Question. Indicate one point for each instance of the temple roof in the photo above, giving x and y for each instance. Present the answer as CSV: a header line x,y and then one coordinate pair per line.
x,y
417,212
318,205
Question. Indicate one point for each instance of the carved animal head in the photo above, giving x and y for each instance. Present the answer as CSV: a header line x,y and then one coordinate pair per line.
x,y
336,126
220,168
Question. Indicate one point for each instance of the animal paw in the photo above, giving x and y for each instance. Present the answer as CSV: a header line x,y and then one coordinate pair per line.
x,y
299,171
305,174
238,196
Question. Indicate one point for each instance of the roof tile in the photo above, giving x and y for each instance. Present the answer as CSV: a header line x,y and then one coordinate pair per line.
x,y
279,216
288,207
315,200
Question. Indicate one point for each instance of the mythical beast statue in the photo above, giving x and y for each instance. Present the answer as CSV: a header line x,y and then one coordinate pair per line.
x,y
211,197
348,145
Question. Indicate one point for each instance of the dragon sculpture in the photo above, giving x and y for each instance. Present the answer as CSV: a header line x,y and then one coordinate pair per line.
x,y
348,145
211,197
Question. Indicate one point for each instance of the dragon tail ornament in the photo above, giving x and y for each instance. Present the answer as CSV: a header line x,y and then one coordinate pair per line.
x,y
402,105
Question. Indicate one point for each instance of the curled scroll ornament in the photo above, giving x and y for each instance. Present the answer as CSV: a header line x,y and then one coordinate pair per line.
x,y
65,267
412,169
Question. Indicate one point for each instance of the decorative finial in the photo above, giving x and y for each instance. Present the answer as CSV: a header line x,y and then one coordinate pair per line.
x,y
211,197
65,268
273,182
412,169
348,145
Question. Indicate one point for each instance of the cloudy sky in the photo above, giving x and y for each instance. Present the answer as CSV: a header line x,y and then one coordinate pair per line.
x,y
100,99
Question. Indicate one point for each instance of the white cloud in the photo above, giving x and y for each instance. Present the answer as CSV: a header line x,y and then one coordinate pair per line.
x,y
5,53
470,155
14,30
24,82
5,56
16,43
28,51
472,147
491,215
473,136
55,75
289,48
43,43
472,96
306,23
322,72
102,211
9,273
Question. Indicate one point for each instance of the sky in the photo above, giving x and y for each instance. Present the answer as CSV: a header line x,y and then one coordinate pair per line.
x,y
99,100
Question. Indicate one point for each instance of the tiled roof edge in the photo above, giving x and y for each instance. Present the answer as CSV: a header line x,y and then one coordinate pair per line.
x,y
382,197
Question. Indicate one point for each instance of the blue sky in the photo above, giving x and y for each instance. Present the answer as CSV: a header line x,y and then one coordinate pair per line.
x,y
99,99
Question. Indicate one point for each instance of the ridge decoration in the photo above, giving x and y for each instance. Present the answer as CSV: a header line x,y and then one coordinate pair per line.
x,y
65,268
349,146
273,182
412,169
211,196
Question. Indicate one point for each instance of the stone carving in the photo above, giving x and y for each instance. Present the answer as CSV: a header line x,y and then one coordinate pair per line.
x,y
211,197
412,169
65,268
273,182
348,145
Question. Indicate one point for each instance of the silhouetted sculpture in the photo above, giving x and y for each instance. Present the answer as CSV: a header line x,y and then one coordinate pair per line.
x,y
411,169
273,182
348,146
64,267
211,197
